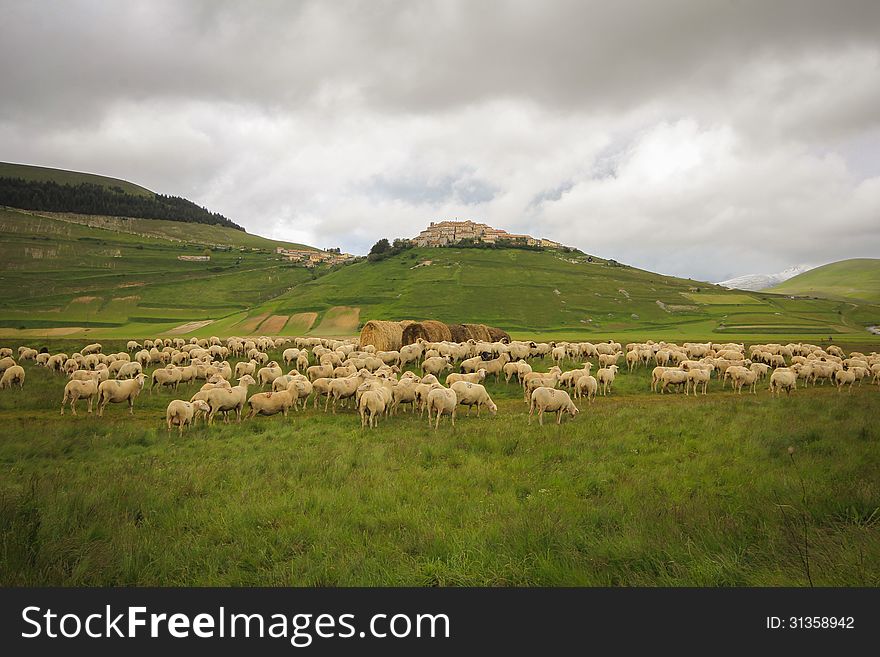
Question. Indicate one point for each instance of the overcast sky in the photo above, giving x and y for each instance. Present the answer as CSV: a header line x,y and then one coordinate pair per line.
x,y
703,139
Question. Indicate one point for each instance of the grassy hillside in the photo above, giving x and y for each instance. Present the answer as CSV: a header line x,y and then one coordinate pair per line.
x,y
75,275
62,177
551,294
857,279
59,277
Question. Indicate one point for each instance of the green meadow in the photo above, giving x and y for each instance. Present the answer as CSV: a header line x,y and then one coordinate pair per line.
x,y
856,279
638,489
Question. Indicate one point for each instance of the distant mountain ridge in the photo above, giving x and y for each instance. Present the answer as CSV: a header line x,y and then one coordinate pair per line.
x,y
755,282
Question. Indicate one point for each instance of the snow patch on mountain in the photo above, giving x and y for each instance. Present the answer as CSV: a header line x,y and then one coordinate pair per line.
x,y
754,282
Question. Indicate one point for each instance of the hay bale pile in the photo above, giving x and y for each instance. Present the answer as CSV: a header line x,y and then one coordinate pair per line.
x,y
430,330
459,332
479,332
498,335
385,336
391,336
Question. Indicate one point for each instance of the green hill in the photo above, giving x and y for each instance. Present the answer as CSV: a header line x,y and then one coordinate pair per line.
x,y
64,277
857,280
75,275
63,177
554,294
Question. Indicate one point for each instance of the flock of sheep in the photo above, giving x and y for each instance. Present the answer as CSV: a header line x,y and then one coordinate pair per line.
x,y
378,383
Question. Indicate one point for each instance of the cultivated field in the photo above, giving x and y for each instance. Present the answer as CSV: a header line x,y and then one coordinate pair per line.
x,y
639,489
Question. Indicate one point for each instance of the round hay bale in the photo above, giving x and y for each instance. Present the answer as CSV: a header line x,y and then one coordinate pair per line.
x,y
479,332
384,336
459,332
498,335
429,329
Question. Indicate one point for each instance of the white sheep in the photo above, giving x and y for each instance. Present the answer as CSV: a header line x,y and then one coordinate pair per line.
x,y
674,377
697,377
782,379
271,403
76,390
6,363
181,412
553,400
441,401
436,365
169,376
11,376
474,377
605,377
473,394
116,391
586,385
225,400
370,406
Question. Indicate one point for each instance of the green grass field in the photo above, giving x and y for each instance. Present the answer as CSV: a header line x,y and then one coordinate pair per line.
x,y
639,489
857,279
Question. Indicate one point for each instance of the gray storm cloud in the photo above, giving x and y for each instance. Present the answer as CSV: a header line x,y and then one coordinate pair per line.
x,y
702,139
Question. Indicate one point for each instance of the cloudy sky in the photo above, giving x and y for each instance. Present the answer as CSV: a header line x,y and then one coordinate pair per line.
x,y
703,139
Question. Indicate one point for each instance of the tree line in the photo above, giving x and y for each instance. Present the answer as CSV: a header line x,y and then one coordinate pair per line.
x,y
88,198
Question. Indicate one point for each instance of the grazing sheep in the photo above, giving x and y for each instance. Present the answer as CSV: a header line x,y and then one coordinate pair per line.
x,y
26,353
656,373
783,379
605,377
6,363
553,400
181,413
517,368
606,360
266,375
673,377
372,404
76,390
167,376
475,377
403,393
245,367
5,352
536,380
697,378
442,401
586,385
116,391
11,376
747,378
436,365
844,377
129,370
225,400
473,394
271,403
316,372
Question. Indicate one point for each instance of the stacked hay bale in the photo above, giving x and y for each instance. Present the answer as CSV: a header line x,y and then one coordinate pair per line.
x,y
429,329
498,335
459,332
391,336
384,336
478,332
